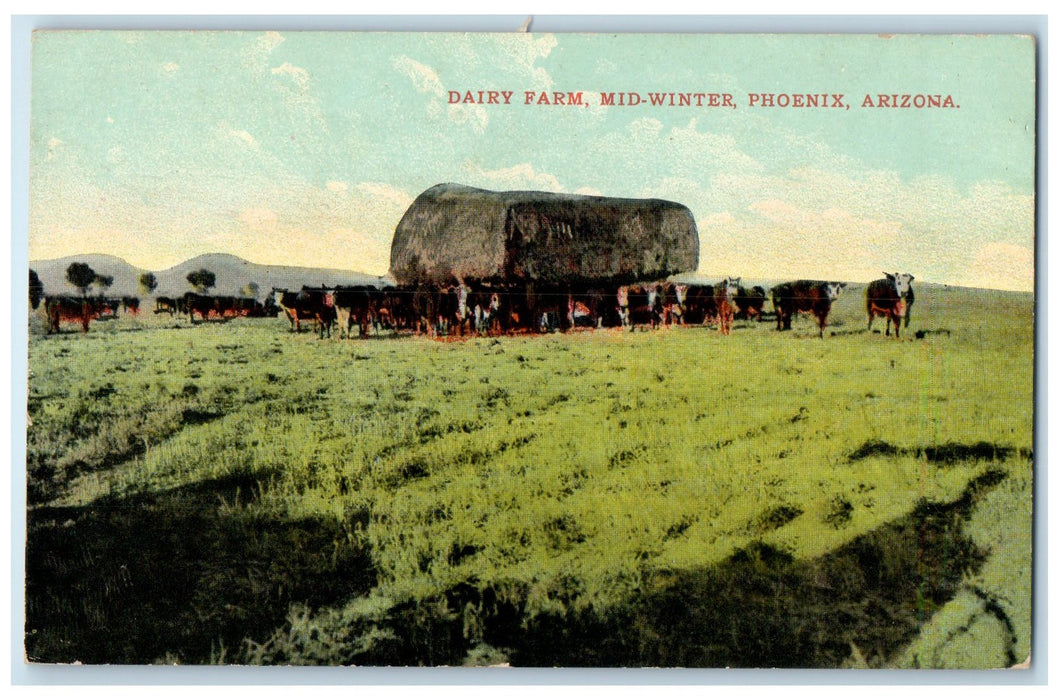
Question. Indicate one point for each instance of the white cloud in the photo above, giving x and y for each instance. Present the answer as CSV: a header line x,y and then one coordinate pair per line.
x,y
516,177
54,146
337,186
520,51
243,137
395,196
299,76
425,80
474,115
171,67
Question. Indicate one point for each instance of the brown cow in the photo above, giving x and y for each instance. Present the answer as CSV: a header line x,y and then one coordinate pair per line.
x,y
890,298
724,296
65,308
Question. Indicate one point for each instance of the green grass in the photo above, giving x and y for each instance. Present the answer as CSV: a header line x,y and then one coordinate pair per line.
x,y
231,492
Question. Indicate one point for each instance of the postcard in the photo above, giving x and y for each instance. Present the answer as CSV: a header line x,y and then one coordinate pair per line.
x,y
531,349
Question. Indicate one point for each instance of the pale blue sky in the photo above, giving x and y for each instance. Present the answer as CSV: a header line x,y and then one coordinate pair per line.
x,y
305,148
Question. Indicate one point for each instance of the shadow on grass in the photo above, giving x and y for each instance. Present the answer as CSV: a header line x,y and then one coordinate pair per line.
x,y
760,608
946,453
183,576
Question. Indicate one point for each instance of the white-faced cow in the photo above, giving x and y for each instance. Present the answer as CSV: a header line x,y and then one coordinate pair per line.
x,y
640,304
807,297
891,298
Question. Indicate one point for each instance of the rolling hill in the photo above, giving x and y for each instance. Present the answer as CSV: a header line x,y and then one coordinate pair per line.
x,y
233,273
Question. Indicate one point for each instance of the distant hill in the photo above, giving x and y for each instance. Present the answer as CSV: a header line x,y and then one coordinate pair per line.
x,y
233,273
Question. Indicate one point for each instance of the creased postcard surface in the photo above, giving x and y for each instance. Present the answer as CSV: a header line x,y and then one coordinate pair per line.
x,y
531,349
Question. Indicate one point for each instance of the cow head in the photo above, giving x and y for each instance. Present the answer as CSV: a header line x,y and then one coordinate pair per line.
x,y
834,289
682,294
902,282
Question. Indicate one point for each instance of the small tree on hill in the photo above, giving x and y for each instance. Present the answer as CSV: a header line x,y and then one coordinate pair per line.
x,y
36,289
103,282
148,283
250,290
202,280
80,275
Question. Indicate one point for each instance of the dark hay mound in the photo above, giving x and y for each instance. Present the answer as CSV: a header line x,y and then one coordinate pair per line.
x,y
457,233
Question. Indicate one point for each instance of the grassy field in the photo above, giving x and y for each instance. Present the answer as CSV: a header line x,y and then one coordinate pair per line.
x,y
234,493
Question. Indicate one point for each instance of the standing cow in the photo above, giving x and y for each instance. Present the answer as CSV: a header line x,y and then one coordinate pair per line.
x,y
804,296
749,303
724,299
310,304
640,305
890,297
700,304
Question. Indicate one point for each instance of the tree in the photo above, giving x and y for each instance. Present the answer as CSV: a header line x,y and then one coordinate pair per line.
x,y
148,283
36,289
202,280
250,290
80,275
103,282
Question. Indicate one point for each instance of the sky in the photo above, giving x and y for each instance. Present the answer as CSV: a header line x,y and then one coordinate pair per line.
x,y
306,148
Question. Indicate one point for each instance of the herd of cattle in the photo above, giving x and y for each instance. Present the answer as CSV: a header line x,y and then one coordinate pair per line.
x,y
463,310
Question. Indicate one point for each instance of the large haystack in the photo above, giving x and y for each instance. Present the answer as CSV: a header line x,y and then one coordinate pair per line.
x,y
453,232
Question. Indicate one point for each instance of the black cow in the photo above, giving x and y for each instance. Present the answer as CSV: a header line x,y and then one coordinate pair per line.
x,y
317,305
165,305
700,305
130,305
749,303
357,304
804,296
890,297
202,304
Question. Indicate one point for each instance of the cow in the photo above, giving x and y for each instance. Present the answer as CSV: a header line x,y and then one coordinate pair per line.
x,y
130,305
252,308
804,296
486,307
165,305
640,305
202,304
700,305
724,295
674,297
66,308
749,303
355,305
889,297
317,305
453,316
